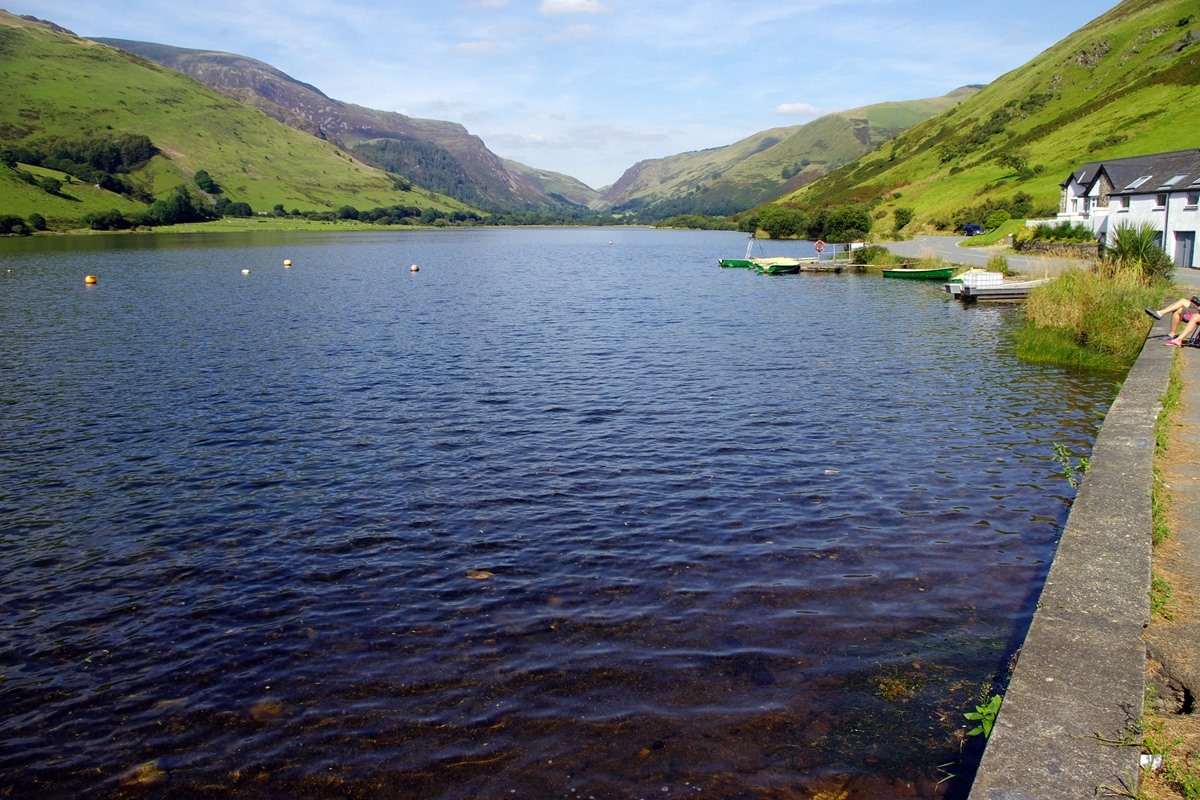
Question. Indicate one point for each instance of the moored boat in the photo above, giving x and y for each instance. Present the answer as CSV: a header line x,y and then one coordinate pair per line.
x,y
777,266
745,261
920,273
1007,291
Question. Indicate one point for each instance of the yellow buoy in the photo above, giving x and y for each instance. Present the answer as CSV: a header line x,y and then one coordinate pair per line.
x,y
287,262
90,279
414,268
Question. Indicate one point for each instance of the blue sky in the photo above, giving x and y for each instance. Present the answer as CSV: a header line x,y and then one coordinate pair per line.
x,y
590,87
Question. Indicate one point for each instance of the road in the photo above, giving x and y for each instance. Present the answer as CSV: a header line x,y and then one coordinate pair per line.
x,y
947,247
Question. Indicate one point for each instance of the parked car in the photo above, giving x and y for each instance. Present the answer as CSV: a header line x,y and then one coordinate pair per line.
x,y
971,229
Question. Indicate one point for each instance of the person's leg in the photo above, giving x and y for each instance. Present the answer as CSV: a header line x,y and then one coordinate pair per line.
x,y
1180,315
1178,305
1187,331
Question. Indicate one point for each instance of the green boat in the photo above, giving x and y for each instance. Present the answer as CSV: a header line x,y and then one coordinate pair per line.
x,y
744,262
921,274
777,266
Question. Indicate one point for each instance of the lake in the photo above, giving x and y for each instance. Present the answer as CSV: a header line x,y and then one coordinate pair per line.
x,y
566,513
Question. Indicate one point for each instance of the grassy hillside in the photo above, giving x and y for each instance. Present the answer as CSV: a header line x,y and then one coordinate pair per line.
x,y
438,155
555,184
1127,83
57,84
729,179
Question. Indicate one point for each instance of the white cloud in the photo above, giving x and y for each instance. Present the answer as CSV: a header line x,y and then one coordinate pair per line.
x,y
572,7
476,48
575,32
796,110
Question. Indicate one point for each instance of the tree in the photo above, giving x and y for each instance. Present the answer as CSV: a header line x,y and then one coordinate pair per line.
x,y
11,223
179,207
205,182
50,185
901,217
347,212
111,220
37,221
842,224
780,222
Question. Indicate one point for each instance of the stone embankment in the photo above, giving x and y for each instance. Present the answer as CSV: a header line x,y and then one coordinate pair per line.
x,y
1069,724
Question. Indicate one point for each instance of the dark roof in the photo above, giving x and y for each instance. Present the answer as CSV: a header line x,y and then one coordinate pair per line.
x,y
1176,171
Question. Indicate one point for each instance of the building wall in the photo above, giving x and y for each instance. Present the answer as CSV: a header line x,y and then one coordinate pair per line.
x,y
1176,215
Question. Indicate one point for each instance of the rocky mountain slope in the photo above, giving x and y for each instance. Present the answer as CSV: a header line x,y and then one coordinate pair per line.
x,y
437,155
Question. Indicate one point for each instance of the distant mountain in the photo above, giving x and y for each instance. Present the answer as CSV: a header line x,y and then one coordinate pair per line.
x,y
61,87
561,187
437,155
1127,83
727,180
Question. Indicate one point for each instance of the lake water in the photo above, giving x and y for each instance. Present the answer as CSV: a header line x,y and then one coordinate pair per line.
x,y
567,513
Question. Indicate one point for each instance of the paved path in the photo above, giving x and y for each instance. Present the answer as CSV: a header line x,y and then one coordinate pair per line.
x,y
1068,729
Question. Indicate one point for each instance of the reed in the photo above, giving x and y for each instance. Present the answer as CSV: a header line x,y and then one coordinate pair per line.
x,y
1090,320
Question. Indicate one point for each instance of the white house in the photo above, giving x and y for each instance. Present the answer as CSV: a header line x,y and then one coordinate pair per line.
x,y
1162,189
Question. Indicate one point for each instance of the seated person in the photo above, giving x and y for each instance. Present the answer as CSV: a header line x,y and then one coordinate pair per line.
x,y
1182,310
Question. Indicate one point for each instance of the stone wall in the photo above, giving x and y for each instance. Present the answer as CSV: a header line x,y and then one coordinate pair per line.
x,y
1079,250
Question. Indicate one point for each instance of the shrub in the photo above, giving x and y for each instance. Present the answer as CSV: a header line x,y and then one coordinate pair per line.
x,y
1062,232
996,219
875,254
1135,248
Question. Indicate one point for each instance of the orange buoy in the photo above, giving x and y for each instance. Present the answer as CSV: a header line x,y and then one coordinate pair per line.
x,y
90,280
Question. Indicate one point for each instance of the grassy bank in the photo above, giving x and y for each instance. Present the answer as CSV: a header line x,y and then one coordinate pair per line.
x,y
1090,319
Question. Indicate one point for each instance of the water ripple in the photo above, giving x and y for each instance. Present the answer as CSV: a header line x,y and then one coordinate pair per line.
x,y
552,515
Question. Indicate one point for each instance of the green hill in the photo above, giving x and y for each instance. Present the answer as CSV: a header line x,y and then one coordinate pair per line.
x,y
1127,83
438,155
730,179
60,85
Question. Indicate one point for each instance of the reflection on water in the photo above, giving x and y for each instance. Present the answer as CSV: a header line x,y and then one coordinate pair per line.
x,y
567,513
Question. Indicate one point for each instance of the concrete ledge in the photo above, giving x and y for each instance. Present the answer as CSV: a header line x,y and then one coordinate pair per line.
x,y
1068,724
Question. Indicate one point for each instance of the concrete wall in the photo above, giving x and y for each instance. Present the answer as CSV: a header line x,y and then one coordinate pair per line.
x,y
1068,725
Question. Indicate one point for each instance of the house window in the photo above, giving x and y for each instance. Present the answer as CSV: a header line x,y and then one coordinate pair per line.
x,y
1160,200
1123,203
1138,182
1193,199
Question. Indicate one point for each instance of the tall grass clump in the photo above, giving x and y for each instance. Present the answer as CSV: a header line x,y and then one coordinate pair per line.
x,y
1091,319
998,263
